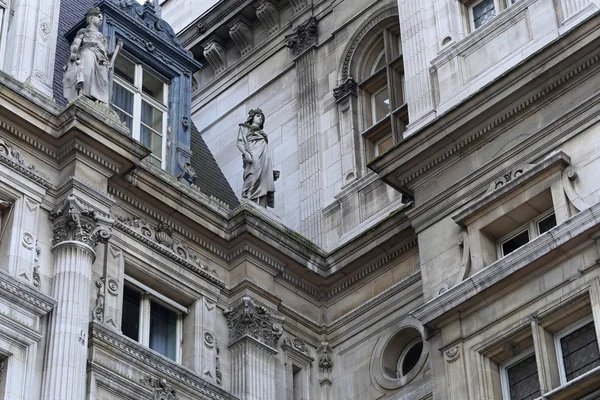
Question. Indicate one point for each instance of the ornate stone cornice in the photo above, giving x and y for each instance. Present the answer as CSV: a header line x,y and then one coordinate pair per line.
x,y
249,319
349,87
40,302
74,222
11,157
160,238
306,36
268,15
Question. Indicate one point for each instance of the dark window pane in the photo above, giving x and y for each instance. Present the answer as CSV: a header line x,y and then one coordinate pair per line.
x,y
515,242
163,330
547,223
152,86
483,12
122,100
125,69
130,323
411,358
523,379
381,105
580,351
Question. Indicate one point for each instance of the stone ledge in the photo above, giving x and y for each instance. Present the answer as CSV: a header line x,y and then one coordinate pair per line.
x,y
576,388
25,295
473,287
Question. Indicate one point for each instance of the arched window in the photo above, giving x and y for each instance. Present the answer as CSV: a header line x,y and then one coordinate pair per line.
x,y
382,91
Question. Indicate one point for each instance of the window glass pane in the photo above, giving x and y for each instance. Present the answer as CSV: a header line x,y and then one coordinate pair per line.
x,y
130,323
515,242
483,12
152,86
122,100
411,358
381,105
153,140
380,63
580,351
523,380
152,117
125,69
544,225
163,330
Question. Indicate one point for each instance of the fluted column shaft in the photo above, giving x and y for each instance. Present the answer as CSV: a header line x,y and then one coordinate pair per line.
x,y
66,362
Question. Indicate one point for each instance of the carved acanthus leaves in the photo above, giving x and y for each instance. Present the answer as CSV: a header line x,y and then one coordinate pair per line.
x,y
305,37
349,87
268,15
161,388
74,222
325,357
249,319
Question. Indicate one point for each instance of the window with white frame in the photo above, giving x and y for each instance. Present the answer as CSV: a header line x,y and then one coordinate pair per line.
x,y
483,11
140,98
577,350
526,233
152,319
5,16
519,377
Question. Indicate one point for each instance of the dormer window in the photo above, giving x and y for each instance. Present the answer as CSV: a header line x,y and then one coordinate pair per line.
x,y
140,98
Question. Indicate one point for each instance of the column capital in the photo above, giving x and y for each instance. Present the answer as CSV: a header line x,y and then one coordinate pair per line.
x,y
305,37
249,319
74,222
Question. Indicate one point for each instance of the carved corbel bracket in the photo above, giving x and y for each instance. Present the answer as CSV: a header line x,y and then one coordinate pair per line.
x,y
215,54
298,5
568,177
349,87
325,357
241,34
268,15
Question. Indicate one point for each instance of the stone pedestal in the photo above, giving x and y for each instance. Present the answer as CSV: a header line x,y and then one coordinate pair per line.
x,y
253,336
77,230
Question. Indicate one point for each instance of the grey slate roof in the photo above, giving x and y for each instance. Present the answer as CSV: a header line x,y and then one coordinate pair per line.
x,y
210,179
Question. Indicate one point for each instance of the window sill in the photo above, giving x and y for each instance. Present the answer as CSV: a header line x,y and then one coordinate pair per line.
x,y
576,388
379,129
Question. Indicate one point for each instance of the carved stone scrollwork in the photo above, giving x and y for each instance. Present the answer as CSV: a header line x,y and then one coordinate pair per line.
x,y
349,87
325,360
218,373
161,388
98,312
509,176
12,157
305,37
297,344
74,222
36,267
241,34
298,5
249,319
268,15
215,55
452,354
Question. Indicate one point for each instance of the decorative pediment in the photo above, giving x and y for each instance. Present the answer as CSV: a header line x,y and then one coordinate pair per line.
x,y
249,319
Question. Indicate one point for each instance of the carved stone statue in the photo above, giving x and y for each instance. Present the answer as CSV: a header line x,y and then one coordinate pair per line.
x,y
259,177
87,71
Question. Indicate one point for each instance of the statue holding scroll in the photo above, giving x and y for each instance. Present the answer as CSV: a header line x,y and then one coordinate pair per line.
x,y
87,71
259,177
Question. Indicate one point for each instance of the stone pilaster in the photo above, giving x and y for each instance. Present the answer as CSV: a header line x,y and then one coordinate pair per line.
x,y
351,140
417,19
241,34
77,231
253,336
268,15
303,44
33,31
215,55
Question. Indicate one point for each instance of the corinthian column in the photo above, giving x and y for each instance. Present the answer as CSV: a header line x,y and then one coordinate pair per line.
x,y
253,336
77,230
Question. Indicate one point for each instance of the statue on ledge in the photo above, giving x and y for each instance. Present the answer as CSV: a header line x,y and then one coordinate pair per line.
x,y
259,176
87,71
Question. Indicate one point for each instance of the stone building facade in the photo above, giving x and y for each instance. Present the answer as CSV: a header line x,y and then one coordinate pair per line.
x,y
436,225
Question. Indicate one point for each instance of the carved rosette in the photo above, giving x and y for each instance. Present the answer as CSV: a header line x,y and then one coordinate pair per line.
x,y
268,15
74,222
305,37
249,319
349,87
325,360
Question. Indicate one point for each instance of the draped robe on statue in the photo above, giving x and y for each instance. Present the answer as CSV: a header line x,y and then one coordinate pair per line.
x,y
259,183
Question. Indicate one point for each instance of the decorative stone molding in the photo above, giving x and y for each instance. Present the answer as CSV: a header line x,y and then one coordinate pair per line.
x,y
11,156
306,36
297,344
452,354
325,360
36,266
568,177
509,176
349,87
241,34
160,238
187,174
249,319
298,5
98,312
74,222
215,55
218,373
268,15
162,390
37,301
